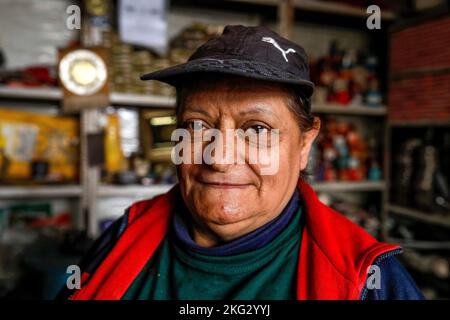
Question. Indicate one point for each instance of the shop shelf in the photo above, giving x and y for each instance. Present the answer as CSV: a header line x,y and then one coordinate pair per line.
x,y
137,100
359,110
329,7
35,191
132,190
55,94
346,186
432,218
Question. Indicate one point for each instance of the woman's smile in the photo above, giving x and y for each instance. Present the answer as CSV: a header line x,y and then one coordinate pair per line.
x,y
226,185
223,183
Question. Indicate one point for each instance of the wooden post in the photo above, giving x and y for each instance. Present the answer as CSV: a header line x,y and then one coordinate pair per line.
x,y
90,176
285,18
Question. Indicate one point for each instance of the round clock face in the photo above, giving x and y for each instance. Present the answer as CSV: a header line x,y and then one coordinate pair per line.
x,y
82,72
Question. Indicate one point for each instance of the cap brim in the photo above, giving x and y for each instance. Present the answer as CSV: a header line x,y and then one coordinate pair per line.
x,y
251,69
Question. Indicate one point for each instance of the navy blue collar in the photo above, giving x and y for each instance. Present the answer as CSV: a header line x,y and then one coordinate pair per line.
x,y
251,241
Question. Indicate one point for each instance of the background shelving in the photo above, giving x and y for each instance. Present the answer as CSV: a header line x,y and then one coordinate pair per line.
x,y
126,99
330,7
40,191
54,94
440,219
344,186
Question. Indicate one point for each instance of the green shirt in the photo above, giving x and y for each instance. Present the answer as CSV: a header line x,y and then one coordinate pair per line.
x,y
266,273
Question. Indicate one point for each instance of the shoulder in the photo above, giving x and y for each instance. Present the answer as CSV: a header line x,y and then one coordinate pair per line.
x,y
394,283
336,244
346,245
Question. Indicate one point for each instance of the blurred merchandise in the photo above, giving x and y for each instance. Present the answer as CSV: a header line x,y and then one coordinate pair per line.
x,y
36,147
121,128
2,59
98,19
126,177
430,269
32,215
138,146
420,175
44,263
34,76
129,130
130,62
12,243
346,77
25,215
411,231
27,226
428,263
342,154
114,160
365,215
403,173
163,173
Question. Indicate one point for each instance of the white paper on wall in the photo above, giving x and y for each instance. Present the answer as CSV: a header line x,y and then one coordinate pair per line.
x,y
144,23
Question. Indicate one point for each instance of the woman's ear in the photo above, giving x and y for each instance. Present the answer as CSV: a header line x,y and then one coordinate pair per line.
x,y
307,141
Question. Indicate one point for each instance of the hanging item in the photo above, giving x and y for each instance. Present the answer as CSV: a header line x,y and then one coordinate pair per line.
x,y
144,23
83,76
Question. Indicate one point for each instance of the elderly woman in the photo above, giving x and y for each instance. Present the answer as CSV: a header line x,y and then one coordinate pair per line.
x,y
230,229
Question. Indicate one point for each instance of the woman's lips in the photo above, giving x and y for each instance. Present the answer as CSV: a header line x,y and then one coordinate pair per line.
x,y
224,184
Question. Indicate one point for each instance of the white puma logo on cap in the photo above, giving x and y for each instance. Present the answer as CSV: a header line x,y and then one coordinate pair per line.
x,y
276,45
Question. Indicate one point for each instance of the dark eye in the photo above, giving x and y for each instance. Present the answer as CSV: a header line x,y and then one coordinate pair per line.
x,y
257,129
194,125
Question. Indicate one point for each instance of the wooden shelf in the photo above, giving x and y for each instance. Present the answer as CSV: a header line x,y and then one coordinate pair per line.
x,y
133,190
336,7
418,123
136,100
128,99
54,94
349,109
330,7
47,94
337,186
432,218
27,192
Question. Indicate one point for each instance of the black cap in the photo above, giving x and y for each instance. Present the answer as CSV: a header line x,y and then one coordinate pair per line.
x,y
254,52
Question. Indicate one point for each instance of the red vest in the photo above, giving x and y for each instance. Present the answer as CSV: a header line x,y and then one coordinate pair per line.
x,y
333,259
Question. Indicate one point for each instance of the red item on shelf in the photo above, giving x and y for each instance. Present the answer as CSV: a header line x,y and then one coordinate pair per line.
x,y
34,76
60,220
342,97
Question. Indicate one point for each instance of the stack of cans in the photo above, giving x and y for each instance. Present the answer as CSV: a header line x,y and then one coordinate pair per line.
x,y
141,61
122,68
127,63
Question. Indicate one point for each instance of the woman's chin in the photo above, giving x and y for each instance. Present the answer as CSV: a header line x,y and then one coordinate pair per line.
x,y
221,212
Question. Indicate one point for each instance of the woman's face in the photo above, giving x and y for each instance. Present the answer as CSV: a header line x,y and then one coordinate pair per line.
x,y
230,199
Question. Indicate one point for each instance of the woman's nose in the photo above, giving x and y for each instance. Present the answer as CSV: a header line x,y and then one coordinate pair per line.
x,y
220,167
223,154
